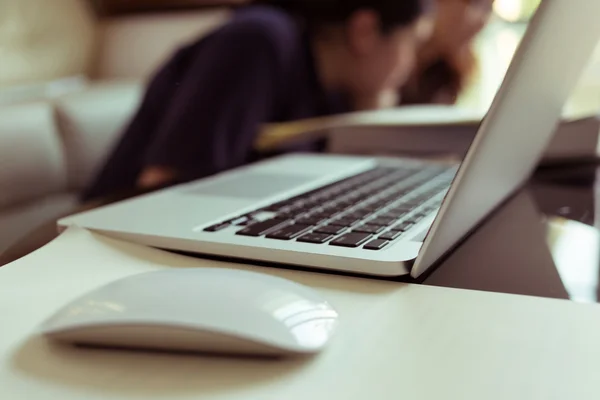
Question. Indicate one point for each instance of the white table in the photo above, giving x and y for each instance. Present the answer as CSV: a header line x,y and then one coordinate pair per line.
x,y
395,340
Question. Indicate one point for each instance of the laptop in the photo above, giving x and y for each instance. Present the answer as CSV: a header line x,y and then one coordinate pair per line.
x,y
374,216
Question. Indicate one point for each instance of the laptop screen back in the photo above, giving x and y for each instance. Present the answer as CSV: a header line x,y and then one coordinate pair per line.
x,y
549,61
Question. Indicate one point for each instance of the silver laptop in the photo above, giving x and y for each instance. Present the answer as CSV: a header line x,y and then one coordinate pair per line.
x,y
385,217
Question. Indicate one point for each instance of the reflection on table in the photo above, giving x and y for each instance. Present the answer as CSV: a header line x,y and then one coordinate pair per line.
x,y
543,242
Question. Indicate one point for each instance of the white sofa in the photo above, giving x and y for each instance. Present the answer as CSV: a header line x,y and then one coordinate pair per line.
x,y
52,144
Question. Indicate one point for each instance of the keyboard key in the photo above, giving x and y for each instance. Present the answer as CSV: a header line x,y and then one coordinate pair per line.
x,y
329,207
393,214
341,207
291,208
413,219
373,229
327,196
240,221
272,208
350,203
353,239
401,208
331,229
289,215
414,203
326,213
260,216
403,226
218,227
374,207
361,214
264,227
429,210
391,235
317,238
382,221
399,193
290,232
347,222
376,244
389,199
308,220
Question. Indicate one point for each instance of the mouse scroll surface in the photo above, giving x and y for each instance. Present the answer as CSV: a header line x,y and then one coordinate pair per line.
x,y
204,310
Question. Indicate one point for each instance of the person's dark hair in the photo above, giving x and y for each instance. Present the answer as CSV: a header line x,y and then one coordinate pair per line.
x,y
319,13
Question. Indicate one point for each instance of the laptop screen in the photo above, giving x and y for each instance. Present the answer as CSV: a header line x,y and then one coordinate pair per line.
x,y
529,71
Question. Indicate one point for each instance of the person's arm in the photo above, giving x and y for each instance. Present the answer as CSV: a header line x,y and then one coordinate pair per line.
x,y
439,80
210,126
384,99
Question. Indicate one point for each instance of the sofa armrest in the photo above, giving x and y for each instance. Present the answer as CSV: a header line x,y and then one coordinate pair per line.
x,y
90,122
31,154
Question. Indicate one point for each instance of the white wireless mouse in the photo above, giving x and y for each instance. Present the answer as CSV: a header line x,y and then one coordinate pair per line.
x,y
199,310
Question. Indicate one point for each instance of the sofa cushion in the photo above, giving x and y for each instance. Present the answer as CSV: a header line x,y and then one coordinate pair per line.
x,y
31,153
90,122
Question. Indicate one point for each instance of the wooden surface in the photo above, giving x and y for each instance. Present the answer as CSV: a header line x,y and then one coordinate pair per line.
x,y
395,340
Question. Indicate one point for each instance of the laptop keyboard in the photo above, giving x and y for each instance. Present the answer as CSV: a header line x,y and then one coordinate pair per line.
x,y
369,210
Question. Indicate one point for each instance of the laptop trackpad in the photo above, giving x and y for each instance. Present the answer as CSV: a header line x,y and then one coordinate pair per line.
x,y
254,185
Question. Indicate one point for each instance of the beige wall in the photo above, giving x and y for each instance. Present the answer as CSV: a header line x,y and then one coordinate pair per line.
x,y
134,46
42,40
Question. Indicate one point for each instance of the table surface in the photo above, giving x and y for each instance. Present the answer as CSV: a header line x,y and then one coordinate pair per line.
x,y
395,340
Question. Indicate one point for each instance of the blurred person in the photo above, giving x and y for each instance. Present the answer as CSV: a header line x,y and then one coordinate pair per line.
x,y
446,61
274,61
